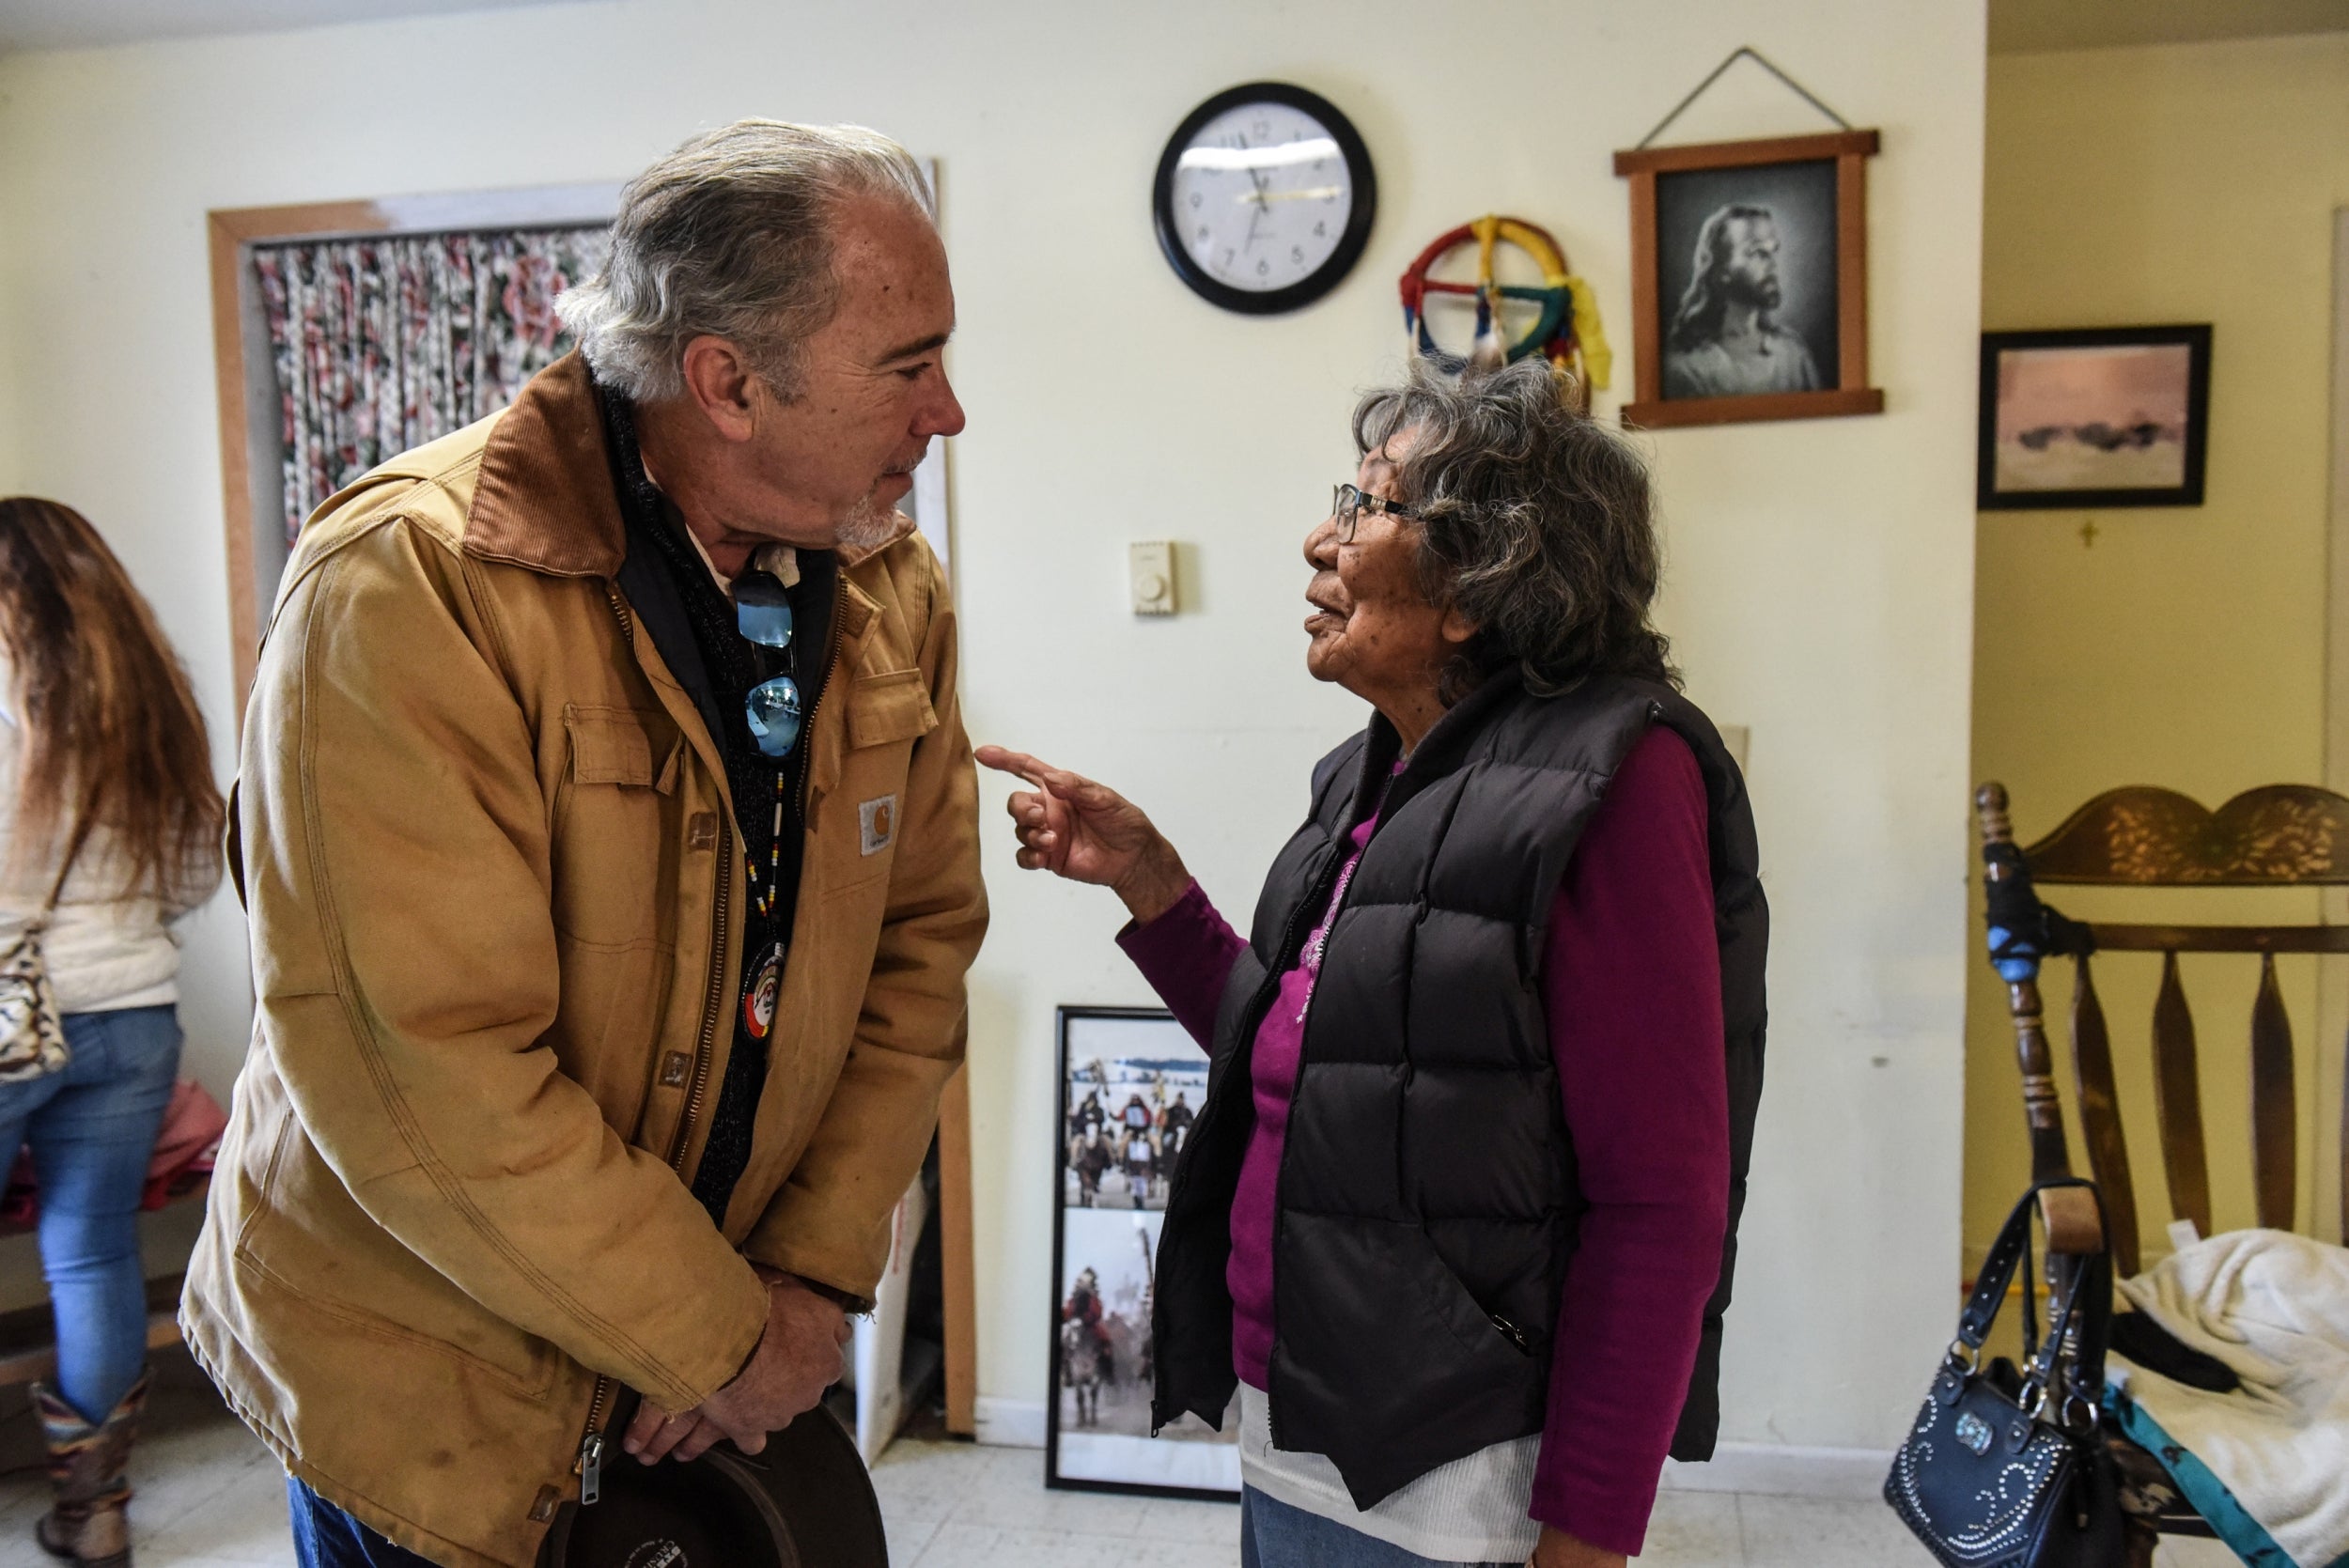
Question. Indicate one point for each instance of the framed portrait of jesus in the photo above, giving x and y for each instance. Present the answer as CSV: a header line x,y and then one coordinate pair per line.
x,y
1750,280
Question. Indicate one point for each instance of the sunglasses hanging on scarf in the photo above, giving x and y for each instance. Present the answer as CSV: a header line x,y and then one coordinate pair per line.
x,y
762,612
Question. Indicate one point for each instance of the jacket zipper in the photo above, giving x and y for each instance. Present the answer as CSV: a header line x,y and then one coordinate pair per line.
x,y
1329,887
589,1465
807,720
1257,1007
1251,1019
705,1046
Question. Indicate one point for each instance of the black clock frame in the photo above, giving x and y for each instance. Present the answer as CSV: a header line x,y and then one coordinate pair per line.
x,y
1350,243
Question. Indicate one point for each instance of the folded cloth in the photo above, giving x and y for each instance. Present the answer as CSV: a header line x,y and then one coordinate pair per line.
x,y
184,1149
2274,1308
185,1146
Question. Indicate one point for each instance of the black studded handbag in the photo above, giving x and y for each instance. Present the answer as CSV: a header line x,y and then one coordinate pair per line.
x,y
2007,1467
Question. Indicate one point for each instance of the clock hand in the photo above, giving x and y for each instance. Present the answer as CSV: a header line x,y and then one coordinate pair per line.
x,y
1310,193
1255,175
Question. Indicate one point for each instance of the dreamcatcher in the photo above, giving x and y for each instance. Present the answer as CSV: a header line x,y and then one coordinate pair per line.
x,y
1566,328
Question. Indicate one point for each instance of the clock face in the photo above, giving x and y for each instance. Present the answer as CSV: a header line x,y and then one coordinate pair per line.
x,y
1264,198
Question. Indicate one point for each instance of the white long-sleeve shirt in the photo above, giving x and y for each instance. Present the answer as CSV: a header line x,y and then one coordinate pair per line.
x,y
103,951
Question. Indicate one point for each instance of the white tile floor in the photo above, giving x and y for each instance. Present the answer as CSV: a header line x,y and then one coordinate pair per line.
x,y
208,1496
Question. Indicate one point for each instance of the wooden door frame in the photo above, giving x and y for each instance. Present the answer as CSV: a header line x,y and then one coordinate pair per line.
x,y
233,232
2332,1011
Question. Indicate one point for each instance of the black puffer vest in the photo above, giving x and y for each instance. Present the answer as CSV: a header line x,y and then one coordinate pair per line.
x,y
1427,1198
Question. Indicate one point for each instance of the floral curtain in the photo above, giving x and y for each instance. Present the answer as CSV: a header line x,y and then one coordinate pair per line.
x,y
382,344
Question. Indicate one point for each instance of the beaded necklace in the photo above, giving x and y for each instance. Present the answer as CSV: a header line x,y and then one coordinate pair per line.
x,y
765,902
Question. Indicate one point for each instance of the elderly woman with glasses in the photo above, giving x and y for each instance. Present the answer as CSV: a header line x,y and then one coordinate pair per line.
x,y
1458,1215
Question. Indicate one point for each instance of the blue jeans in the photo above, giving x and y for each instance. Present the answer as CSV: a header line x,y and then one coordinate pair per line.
x,y
92,1127
326,1537
1272,1534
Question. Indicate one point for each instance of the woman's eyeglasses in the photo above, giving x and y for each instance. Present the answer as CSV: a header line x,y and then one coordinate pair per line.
x,y
1348,504
762,612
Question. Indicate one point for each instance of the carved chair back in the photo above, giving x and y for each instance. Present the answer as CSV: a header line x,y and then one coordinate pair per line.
x,y
2282,835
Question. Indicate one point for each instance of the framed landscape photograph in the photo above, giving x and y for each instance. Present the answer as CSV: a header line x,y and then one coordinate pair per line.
x,y
1131,1082
1750,280
2094,417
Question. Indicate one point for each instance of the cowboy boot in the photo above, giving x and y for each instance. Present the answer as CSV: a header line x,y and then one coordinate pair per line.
x,y
87,1525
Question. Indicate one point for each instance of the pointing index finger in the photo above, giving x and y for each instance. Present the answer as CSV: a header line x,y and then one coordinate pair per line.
x,y
1034,769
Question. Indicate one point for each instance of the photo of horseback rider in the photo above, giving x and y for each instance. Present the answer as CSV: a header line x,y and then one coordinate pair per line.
x,y
1103,1349
1174,1126
1141,1168
1136,1115
1088,1160
1084,1306
1087,1361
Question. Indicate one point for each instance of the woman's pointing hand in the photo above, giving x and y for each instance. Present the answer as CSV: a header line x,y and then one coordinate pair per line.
x,y
1086,831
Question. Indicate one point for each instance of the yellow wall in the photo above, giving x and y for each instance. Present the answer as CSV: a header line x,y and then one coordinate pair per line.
x,y
2185,647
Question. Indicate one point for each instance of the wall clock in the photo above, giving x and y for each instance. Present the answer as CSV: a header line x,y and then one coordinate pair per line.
x,y
1264,198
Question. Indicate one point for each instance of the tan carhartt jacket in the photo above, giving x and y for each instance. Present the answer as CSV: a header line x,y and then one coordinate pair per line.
x,y
496,900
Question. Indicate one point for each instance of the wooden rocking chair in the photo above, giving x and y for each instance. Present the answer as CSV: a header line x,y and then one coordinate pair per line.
x,y
2283,835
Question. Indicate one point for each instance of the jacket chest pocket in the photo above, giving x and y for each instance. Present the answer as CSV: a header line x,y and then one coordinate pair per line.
x,y
890,706
613,855
886,714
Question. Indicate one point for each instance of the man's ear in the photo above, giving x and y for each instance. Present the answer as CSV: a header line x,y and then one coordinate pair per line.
x,y
1458,628
719,381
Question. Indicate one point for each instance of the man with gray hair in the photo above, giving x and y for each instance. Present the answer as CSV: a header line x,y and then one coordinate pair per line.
x,y
607,828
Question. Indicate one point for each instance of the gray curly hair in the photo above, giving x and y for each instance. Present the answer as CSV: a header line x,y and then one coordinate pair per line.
x,y
1536,525
731,236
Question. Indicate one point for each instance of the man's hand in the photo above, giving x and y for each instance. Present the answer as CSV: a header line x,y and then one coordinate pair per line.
x,y
798,1357
1557,1549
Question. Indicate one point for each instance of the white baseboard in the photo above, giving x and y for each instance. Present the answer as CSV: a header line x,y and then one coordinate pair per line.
x,y
1780,1469
1012,1423
1775,1469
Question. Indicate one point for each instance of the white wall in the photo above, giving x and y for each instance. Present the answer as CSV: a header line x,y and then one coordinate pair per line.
x,y
1821,572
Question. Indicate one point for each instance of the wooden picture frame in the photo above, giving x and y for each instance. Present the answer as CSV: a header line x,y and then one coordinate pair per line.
x,y
1105,1223
1800,184
2094,417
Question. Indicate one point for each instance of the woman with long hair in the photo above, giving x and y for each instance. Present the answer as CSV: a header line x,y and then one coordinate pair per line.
x,y
109,830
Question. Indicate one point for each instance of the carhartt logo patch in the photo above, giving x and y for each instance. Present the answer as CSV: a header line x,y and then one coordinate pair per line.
x,y
876,824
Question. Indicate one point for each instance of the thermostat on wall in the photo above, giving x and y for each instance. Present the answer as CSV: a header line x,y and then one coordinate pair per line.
x,y
1150,576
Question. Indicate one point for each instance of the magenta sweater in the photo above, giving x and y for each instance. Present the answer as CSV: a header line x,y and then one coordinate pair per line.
x,y
1631,981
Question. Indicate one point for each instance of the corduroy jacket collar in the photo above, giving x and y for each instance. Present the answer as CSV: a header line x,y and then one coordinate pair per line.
x,y
546,499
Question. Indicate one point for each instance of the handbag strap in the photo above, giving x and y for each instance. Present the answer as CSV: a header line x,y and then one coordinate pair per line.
x,y
2007,1253
2074,1361
2088,1306
2030,1310
40,923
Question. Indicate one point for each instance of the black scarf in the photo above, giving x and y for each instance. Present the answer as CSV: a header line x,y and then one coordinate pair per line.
x,y
720,670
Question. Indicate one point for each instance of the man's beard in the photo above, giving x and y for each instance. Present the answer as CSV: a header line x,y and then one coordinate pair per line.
x,y
867,525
